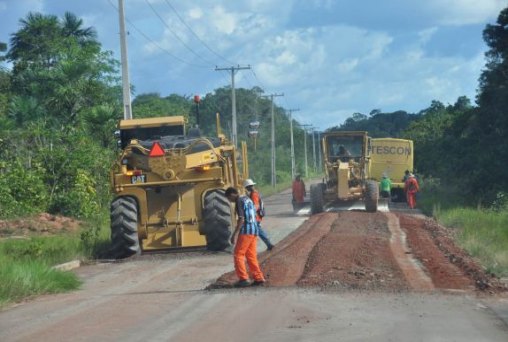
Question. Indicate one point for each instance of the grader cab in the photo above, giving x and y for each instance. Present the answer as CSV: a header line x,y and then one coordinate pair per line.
x,y
169,187
346,157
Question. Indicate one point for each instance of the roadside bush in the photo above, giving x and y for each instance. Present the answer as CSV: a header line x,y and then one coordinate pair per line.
x,y
483,233
500,203
22,190
81,201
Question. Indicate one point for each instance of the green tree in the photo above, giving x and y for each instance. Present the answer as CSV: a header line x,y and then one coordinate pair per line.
x,y
153,105
488,126
59,65
5,85
62,109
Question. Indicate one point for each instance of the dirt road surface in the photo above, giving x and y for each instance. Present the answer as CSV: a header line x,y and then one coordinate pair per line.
x,y
345,275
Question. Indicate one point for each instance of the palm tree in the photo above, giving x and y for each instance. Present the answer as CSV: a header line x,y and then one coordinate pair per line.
x,y
72,26
27,45
42,37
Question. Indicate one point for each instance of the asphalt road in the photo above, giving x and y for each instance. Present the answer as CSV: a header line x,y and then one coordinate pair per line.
x,y
162,298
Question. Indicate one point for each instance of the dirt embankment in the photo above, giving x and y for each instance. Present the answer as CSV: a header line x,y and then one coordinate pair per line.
x,y
42,224
449,266
357,250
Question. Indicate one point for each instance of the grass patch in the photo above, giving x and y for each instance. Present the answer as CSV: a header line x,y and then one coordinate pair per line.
x,y
21,279
483,233
25,264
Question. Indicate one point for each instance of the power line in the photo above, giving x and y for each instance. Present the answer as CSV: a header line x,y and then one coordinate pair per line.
x,y
195,35
257,79
175,35
157,45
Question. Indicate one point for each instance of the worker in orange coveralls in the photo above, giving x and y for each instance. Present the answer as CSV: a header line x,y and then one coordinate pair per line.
x,y
411,187
298,192
248,230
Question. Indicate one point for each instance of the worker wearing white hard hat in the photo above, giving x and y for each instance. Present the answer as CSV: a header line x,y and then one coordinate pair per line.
x,y
254,195
248,182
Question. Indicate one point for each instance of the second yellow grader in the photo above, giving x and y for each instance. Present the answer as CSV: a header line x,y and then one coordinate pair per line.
x,y
346,158
392,157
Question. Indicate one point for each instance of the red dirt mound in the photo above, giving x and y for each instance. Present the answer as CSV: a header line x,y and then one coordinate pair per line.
x,y
355,254
42,224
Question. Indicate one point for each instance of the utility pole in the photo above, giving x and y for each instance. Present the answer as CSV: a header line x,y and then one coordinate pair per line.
x,y
274,178
320,162
233,70
314,148
305,149
127,110
293,167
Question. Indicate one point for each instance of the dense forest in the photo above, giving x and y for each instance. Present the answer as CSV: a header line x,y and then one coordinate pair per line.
x,y
60,100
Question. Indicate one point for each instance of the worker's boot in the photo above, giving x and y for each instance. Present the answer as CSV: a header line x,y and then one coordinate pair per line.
x,y
242,283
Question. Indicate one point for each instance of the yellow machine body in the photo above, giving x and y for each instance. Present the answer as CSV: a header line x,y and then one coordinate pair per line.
x,y
167,172
391,157
346,158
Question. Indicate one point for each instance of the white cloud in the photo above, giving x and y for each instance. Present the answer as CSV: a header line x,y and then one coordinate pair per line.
x,y
463,12
224,22
427,34
311,54
195,13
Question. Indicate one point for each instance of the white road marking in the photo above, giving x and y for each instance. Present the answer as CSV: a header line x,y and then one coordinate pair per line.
x,y
357,205
303,212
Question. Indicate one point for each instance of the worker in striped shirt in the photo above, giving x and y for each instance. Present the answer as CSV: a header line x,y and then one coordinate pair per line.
x,y
247,231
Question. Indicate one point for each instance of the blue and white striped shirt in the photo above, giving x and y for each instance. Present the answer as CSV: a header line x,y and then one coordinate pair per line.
x,y
245,208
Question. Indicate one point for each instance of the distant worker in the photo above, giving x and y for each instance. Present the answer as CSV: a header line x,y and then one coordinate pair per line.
x,y
245,248
298,193
406,176
385,186
411,188
260,210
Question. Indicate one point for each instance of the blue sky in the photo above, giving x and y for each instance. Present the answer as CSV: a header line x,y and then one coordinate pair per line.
x,y
329,58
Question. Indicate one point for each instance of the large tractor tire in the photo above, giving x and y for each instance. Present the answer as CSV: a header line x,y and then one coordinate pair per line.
x,y
316,199
124,227
217,220
371,196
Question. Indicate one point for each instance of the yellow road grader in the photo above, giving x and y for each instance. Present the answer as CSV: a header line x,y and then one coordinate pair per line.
x,y
346,158
168,186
